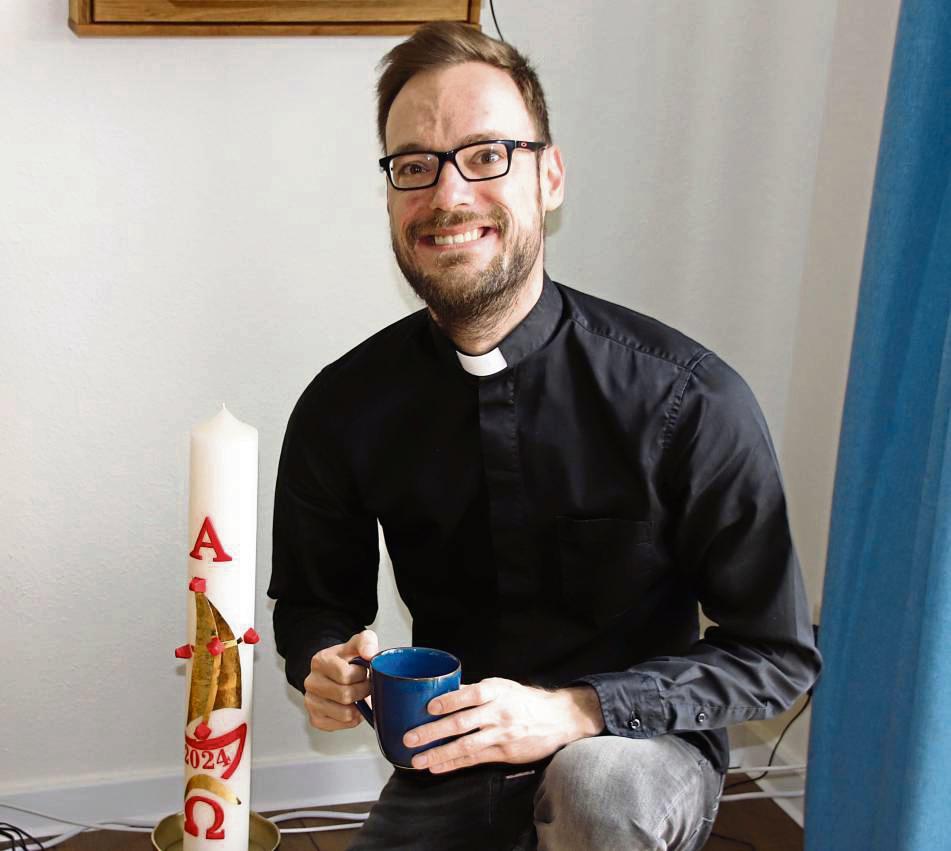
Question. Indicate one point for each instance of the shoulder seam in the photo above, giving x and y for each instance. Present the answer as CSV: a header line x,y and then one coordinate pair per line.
x,y
673,412
579,321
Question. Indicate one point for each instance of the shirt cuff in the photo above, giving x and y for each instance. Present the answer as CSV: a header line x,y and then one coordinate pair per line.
x,y
631,704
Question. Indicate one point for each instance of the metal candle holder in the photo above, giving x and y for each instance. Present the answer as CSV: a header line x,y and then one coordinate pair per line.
x,y
169,834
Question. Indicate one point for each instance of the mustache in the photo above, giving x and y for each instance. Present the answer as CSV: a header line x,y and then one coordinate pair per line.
x,y
438,220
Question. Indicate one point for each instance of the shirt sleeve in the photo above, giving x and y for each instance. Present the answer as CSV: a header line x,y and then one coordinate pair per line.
x,y
729,537
325,546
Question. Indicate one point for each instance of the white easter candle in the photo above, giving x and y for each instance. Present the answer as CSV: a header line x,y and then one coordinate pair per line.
x,y
222,534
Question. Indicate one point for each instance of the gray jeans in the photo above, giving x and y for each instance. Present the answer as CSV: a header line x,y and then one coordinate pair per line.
x,y
597,794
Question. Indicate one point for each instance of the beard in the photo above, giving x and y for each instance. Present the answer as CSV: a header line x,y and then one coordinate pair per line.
x,y
461,299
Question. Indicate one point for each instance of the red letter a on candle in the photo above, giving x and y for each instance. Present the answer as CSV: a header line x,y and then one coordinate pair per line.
x,y
208,537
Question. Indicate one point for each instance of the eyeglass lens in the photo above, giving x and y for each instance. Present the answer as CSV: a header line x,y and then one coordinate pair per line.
x,y
476,162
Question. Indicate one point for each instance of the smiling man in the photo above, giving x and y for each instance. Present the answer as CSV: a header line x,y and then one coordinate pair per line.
x,y
560,481
471,246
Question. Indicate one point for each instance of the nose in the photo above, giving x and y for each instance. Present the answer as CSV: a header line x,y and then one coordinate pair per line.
x,y
452,189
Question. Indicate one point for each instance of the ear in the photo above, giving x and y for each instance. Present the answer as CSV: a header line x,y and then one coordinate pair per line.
x,y
552,177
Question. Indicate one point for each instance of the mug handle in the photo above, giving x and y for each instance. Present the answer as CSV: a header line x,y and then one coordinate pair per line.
x,y
362,706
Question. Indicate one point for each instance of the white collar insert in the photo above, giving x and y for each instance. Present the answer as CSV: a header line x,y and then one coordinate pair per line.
x,y
483,365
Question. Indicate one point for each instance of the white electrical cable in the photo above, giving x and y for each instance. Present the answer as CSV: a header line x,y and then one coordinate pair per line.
x,y
750,796
82,824
765,768
355,820
319,814
346,826
59,840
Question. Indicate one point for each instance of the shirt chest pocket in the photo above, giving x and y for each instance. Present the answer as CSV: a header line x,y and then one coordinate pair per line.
x,y
606,564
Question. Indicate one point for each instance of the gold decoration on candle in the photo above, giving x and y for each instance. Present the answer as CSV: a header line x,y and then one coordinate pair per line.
x,y
216,678
213,785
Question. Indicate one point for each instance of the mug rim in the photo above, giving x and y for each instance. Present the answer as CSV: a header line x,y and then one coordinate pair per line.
x,y
414,648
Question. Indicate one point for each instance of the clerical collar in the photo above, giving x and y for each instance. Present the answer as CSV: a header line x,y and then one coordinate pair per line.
x,y
483,365
524,339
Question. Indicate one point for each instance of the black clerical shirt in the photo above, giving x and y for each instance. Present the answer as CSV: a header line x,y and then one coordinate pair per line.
x,y
556,521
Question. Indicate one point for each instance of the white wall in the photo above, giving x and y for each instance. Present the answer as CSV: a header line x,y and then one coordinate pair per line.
x,y
845,172
189,221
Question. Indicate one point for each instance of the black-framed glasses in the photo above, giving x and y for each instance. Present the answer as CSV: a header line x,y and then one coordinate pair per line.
x,y
478,161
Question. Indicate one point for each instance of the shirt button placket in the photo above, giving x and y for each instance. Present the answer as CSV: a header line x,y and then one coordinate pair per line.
x,y
498,428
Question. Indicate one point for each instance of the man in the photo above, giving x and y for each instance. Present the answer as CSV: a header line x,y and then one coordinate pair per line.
x,y
559,480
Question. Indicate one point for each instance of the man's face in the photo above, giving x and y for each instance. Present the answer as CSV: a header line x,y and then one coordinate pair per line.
x,y
466,282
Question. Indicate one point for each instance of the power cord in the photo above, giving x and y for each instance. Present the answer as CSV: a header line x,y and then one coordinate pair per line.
x,y
742,842
494,21
764,770
17,837
355,820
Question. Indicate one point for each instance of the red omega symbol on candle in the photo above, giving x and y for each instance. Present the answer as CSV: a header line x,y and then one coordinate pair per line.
x,y
191,826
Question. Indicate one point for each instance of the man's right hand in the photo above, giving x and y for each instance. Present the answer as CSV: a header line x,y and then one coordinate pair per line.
x,y
333,684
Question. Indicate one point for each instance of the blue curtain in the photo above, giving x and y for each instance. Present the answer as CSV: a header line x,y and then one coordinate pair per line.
x,y
880,748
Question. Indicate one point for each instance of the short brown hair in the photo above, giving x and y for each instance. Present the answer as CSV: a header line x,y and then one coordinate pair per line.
x,y
444,43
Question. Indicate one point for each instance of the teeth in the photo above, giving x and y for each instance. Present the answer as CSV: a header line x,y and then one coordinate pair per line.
x,y
468,236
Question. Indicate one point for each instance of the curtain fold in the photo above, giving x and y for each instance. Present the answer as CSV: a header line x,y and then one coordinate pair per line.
x,y
880,745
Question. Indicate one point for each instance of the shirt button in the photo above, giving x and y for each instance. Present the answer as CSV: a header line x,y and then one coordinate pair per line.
x,y
634,723
701,717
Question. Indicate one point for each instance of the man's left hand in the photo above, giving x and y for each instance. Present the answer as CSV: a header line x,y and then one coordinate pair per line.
x,y
503,721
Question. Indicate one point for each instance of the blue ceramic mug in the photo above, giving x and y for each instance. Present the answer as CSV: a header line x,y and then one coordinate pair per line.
x,y
402,682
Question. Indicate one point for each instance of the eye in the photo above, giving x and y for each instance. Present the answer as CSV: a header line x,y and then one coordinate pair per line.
x,y
483,157
487,156
410,168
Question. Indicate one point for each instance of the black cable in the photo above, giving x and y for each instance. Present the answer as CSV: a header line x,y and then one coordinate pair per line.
x,y
21,836
760,776
9,837
494,21
13,835
749,845
772,756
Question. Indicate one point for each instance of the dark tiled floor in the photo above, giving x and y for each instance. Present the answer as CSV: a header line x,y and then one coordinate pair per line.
x,y
751,825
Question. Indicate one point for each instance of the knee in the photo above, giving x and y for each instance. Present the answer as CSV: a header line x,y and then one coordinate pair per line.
x,y
578,804
608,792
573,779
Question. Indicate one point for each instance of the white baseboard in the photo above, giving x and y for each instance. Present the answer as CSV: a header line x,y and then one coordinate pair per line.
x,y
274,786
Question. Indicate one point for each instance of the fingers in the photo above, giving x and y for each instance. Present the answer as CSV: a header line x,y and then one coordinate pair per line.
x,y
333,684
455,725
365,644
467,696
473,715
334,662
369,644
328,715
469,750
466,709
321,686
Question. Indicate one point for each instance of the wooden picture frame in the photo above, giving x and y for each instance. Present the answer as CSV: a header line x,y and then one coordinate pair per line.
x,y
263,17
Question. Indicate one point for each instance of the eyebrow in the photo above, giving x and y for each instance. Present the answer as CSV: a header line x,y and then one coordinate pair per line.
x,y
484,136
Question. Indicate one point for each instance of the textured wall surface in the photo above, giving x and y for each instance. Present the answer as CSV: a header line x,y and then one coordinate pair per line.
x,y
186,222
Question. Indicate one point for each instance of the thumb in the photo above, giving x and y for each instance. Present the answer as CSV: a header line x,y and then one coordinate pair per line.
x,y
368,645
364,644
